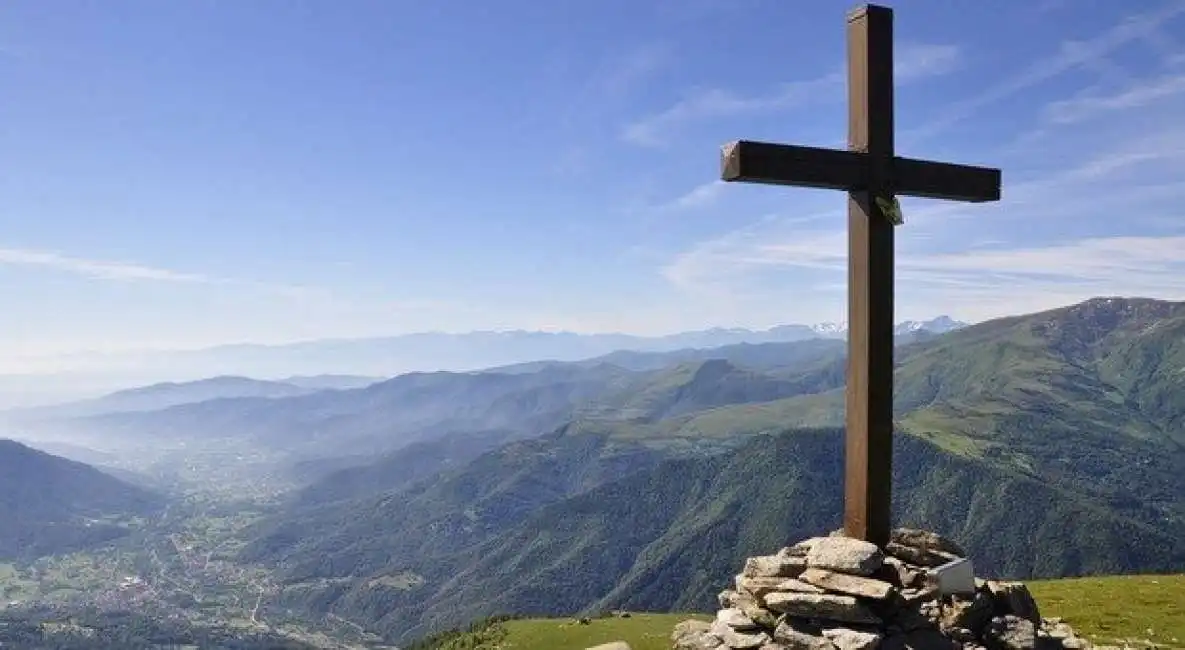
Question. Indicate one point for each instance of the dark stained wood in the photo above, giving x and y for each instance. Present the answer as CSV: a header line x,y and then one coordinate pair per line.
x,y
867,170
935,180
869,414
789,164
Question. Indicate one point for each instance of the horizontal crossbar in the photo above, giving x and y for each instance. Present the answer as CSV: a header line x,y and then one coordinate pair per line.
x,y
785,164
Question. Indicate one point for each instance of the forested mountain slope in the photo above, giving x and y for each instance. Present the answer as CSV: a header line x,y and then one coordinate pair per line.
x,y
540,531
50,505
1025,438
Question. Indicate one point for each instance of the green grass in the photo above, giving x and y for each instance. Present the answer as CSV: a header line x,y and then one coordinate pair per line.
x,y
1118,607
641,631
1105,609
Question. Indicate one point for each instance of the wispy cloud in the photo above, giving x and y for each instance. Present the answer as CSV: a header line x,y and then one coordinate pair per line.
x,y
118,271
913,61
700,196
605,91
981,281
1136,95
613,80
1169,49
706,103
723,262
1149,263
96,269
989,283
1069,57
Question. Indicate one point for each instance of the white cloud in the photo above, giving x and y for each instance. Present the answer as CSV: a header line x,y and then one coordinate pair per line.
x,y
605,91
992,283
1077,109
1142,263
725,262
976,283
96,269
700,196
117,271
613,79
715,102
913,61
1169,50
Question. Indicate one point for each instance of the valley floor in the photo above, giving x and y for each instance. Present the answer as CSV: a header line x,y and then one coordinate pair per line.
x,y
180,567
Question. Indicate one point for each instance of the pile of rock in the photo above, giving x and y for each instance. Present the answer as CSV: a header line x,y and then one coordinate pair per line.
x,y
837,593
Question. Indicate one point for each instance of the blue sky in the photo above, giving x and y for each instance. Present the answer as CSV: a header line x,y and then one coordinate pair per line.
x,y
190,173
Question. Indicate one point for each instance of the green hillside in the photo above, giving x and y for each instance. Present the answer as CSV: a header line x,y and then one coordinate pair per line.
x,y
1103,367
1069,473
451,512
536,528
50,504
1084,393
1109,609
1112,365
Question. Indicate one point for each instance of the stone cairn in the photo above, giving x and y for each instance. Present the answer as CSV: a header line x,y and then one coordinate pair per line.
x,y
838,593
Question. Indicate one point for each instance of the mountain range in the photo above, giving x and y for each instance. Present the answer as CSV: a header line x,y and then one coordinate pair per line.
x,y
93,374
1048,444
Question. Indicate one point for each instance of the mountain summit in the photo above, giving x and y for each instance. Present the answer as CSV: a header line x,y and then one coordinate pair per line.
x,y
938,325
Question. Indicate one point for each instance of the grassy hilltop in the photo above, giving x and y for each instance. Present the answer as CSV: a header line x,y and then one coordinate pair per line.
x,y
1111,609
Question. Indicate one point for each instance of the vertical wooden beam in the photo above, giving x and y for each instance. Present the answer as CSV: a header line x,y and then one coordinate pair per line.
x,y
869,416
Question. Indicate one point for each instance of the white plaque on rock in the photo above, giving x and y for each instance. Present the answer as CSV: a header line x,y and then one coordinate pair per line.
x,y
956,577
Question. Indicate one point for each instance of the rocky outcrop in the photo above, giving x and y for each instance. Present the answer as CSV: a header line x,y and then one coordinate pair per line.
x,y
836,593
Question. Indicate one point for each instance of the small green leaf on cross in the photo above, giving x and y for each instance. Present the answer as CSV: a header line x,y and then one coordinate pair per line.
x,y
891,208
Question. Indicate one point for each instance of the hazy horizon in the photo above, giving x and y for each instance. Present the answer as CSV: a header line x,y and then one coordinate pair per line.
x,y
66,378
89,374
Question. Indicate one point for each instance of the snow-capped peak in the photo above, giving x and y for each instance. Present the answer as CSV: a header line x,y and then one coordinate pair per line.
x,y
829,329
938,325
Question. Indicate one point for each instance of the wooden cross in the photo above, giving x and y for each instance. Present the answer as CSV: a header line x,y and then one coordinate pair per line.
x,y
872,175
